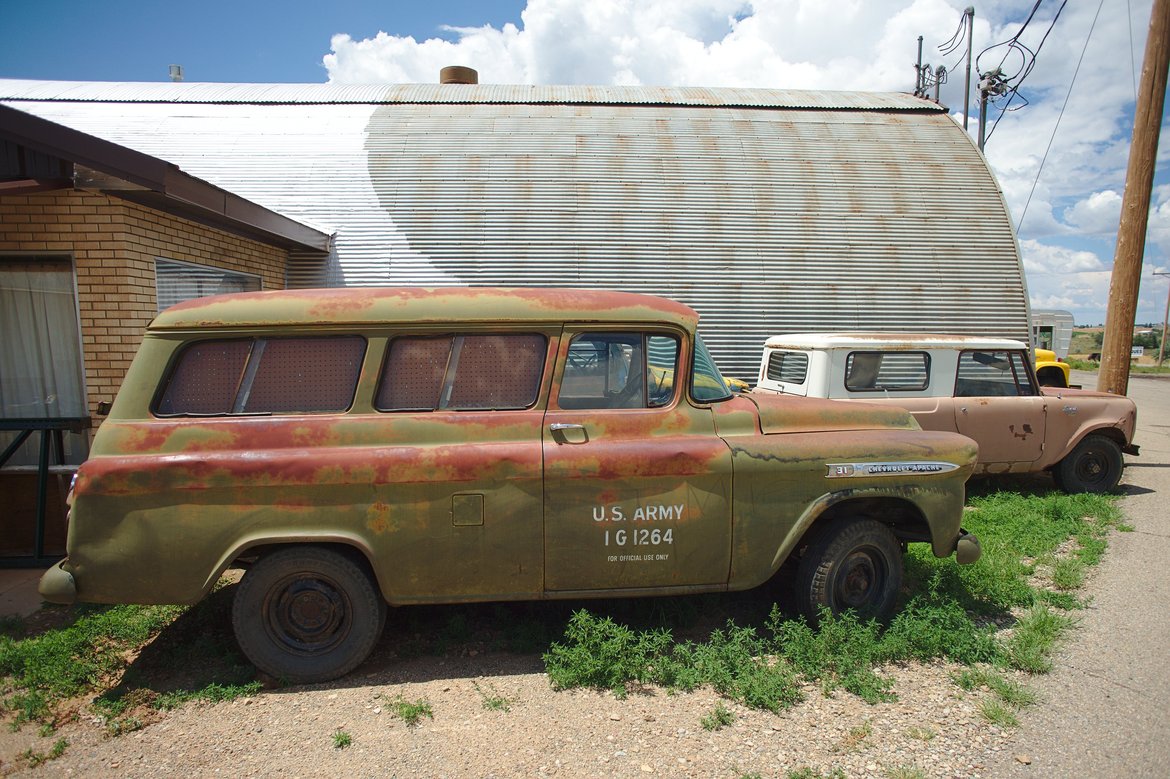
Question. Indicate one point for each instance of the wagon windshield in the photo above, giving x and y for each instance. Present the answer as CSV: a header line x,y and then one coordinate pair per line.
x,y
707,383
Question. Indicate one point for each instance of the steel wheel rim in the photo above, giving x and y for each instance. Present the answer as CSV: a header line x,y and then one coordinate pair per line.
x,y
1092,466
307,615
860,576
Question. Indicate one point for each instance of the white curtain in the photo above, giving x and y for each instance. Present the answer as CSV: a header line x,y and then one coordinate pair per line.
x,y
40,348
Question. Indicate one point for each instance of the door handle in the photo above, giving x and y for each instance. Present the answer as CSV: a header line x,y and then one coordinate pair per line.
x,y
569,433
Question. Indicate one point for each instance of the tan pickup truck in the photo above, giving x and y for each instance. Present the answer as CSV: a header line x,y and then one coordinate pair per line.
x,y
354,448
985,388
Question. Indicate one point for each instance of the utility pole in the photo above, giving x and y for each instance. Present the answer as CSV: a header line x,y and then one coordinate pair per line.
x,y
1165,316
1117,344
970,13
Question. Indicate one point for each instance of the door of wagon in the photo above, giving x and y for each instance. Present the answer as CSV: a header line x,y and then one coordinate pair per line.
x,y
998,405
637,483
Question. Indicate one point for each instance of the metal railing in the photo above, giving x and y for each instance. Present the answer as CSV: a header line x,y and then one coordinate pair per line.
x,y
52,430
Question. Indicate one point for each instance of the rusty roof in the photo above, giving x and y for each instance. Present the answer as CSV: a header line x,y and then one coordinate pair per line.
x,y
533,94
423,305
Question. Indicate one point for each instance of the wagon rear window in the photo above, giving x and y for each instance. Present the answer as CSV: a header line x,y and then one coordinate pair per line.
x,y
462,372
788,367
263,376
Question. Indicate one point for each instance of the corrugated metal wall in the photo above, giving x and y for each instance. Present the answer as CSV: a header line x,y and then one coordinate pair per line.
x,y
878,216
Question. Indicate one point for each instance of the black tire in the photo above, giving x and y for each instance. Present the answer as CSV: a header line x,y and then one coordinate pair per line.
x,y
852,564
306,614
1094,465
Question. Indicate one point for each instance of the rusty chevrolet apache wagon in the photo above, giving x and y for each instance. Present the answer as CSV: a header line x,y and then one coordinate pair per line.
x,y
357,447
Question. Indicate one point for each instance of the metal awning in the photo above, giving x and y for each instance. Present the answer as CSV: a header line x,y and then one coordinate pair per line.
x,y
131,175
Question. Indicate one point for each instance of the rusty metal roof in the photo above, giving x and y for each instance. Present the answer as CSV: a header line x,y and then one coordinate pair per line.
x,y
417,305
771,212
308,94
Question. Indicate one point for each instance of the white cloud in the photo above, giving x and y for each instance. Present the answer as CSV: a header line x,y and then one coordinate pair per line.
x,y
856,45
1100,212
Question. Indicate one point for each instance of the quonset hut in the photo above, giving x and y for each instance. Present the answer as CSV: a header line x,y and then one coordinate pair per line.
x,y
769,211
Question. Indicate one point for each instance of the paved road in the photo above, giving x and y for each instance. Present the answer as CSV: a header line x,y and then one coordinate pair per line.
x,y
1106,707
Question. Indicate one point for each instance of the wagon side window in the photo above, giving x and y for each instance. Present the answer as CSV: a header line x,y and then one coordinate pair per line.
x,y
263,376
462,372
887,371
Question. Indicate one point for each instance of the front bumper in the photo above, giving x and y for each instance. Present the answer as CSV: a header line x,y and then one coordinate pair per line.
x,y
57,585
967,548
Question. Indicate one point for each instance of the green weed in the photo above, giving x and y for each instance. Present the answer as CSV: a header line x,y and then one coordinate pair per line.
x,y
410,712
720,717
341,739
492,700
602,654
35,758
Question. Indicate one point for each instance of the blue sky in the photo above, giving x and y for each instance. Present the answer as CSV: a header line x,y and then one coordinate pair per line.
x,y
1073,201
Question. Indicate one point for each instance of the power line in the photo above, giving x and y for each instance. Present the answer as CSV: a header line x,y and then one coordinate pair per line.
x,y
1060,115
1028,62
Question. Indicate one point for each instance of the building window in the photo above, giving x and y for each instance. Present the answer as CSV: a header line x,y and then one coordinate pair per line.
x,y
40,350
178,281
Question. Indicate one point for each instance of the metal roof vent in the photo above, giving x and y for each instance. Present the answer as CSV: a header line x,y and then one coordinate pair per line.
x,y
457,74
176,72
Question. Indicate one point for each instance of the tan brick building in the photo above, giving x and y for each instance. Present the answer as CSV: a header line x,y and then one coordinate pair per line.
x,y
94,240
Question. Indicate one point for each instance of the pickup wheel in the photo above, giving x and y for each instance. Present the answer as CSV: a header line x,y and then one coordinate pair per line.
x,y
307,614
853,564
1093,466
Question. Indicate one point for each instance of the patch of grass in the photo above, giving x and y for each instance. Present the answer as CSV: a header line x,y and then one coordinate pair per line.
x,y
1034,637
341,739
920,733
998,713
720,717
11,626
59,664
811,773
1009,692
492,700
1068,573
410,712
856,737
35,758
905,772
159,657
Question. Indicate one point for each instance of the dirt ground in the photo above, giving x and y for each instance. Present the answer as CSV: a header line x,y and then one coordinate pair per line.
x,y
934,728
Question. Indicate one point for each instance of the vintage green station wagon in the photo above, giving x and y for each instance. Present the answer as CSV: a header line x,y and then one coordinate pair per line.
x,y
353,448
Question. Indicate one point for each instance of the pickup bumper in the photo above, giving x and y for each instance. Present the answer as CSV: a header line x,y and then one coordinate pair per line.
x,y
57,585
967,548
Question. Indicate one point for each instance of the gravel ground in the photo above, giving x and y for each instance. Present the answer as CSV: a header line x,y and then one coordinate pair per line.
x,y
933,728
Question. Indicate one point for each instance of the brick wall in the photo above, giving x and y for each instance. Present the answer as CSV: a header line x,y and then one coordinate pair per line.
x,y
114,244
